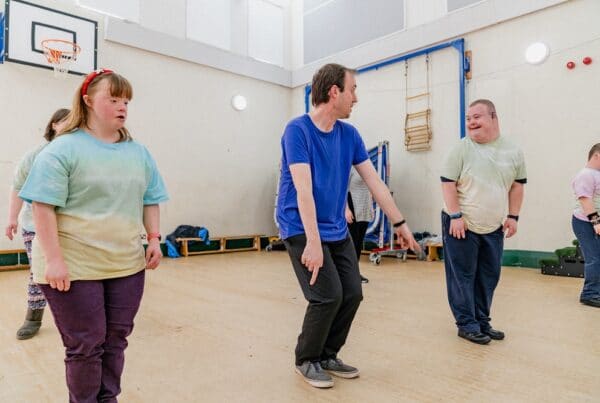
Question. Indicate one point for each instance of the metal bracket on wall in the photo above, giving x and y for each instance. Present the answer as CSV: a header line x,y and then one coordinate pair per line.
x,y
468,61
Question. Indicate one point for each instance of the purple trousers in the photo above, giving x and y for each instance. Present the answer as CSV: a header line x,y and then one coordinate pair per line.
x,y
94,319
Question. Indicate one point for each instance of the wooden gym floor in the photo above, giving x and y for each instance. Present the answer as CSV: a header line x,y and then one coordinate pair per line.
x,y
222,328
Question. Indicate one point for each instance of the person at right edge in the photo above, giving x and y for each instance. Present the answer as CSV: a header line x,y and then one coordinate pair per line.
x,y
482,178
586,225
318,150
359,213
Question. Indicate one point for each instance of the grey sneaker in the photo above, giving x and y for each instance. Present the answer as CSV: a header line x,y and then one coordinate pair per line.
x,y
336,367
314,375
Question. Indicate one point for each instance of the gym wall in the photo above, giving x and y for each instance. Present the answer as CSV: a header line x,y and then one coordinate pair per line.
x,y
219,165
550,111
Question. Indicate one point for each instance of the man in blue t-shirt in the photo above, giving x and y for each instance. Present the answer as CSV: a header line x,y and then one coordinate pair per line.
x,y
318,151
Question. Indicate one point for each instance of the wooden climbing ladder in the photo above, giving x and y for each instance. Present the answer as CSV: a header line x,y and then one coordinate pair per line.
x,y
417,124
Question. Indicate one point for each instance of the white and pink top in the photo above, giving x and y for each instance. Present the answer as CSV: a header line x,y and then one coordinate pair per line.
x,y
586,184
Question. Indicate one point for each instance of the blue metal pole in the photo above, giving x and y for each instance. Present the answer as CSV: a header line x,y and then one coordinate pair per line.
x,y
307,90
458,44
464,67
2,38
406,57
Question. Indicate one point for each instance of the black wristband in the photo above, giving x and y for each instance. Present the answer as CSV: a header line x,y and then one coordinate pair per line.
x,y
592,215
514,217
399,223
455,215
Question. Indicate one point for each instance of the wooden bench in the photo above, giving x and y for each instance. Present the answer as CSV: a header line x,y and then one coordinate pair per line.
x,y
432,251
185,251
19,265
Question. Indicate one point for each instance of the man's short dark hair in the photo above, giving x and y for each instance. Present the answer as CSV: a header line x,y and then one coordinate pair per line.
x,y
325,78
595,149
490,105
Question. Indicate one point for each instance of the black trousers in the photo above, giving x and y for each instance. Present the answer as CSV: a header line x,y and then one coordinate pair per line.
x,y
357,232
332,301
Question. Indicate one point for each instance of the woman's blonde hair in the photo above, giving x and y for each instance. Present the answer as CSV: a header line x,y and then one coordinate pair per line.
x,y
118,87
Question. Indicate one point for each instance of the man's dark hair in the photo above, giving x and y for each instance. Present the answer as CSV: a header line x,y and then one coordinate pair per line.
x,y
328,76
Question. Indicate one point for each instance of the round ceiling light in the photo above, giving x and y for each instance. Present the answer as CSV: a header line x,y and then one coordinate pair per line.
x,y
537,53
239,102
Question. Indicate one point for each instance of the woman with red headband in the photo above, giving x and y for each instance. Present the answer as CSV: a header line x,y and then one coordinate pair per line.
x,y
93,189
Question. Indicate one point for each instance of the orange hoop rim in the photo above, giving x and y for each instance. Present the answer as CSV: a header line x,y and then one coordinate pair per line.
x,y
55,56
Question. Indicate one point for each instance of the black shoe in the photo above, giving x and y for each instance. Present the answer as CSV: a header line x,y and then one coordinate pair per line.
x,y
595,302
336,367
475,337
314,375
363,279
494,334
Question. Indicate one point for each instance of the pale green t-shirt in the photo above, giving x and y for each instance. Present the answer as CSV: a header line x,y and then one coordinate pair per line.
x,y
21,174
484,173
99,191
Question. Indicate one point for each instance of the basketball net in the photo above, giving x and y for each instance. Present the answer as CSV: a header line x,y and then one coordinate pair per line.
x,y
60,54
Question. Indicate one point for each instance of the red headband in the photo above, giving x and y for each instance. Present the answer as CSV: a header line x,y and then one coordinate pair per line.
x,y
90,77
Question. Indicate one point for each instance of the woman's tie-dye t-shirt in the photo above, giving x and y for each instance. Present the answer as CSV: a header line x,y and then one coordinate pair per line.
x,y
99,190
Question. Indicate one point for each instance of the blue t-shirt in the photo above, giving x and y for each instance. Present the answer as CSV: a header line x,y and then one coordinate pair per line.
x,y
330,156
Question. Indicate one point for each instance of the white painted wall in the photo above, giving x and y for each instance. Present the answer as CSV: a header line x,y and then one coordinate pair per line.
x,y
294,52
125,9
551,112
155,13
419,12
219,165
266,31
339,25
422,34
208,22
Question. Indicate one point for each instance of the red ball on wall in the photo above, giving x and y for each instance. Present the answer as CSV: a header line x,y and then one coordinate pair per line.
x,y
587,60
571,65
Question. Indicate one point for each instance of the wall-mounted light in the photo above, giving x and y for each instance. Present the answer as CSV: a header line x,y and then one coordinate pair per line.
x,y
239,103
537,53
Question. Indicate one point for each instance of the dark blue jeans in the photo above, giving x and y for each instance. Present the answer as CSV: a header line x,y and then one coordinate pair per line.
x,y
332,301
590,248
472,273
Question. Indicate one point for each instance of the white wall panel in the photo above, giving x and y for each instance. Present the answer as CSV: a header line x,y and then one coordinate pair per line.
x,y
266,31
209,22
343,24
125,9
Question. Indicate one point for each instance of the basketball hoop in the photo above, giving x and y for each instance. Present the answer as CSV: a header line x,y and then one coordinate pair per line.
x,y
60,54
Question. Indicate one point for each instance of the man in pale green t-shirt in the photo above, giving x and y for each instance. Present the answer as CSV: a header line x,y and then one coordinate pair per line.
x,y
482,180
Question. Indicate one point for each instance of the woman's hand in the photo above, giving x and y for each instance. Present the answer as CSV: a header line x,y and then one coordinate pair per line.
x,y
153,254
57,275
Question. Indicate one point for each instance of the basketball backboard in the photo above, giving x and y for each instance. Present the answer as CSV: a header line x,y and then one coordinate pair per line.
x,y
27,25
